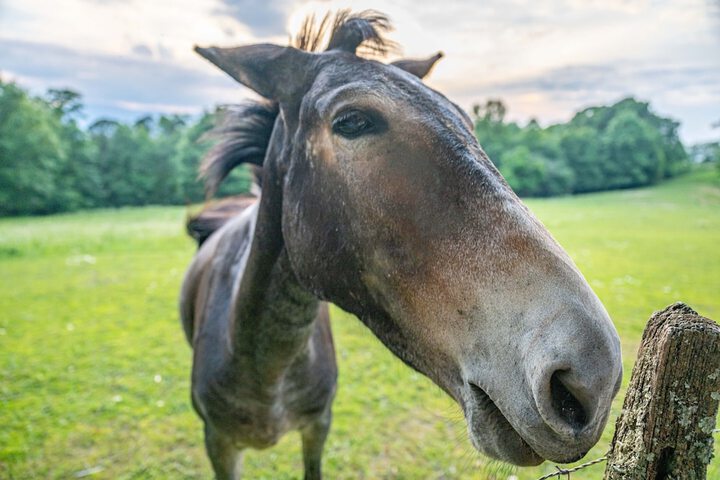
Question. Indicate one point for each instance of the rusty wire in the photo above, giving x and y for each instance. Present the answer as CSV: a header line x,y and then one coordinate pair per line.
x,y
568,471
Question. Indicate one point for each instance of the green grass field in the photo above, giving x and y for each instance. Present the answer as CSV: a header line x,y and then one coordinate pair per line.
x,y
94,368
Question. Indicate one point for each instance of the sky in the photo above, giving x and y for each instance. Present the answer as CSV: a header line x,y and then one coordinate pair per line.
x,y
545,58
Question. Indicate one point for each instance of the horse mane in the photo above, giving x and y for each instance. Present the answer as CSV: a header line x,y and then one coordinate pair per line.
x,y
242,133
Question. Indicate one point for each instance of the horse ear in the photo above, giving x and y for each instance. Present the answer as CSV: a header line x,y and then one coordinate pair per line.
x,y
274,72
419,68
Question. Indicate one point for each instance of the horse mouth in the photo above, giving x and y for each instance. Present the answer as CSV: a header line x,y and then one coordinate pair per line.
x,y
494,434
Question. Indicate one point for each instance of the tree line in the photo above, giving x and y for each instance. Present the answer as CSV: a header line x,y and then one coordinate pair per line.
x,y
50,163
623,145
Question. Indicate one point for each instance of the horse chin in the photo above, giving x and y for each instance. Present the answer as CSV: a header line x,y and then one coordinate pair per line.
x,y
492,434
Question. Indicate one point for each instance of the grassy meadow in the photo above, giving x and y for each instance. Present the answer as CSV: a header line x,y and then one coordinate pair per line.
x,y
94,368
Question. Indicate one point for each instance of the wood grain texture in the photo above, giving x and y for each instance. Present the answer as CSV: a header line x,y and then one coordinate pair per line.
x,y
665,430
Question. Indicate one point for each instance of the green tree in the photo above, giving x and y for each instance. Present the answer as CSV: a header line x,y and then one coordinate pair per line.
x,y
599,119
632,155
31,154
161,162
101,133
533,174
522,170
581,146
78,179
495,136
119,154
191,147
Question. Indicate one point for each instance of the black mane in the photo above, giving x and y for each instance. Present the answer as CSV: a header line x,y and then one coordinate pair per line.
x,y
243,133
362,33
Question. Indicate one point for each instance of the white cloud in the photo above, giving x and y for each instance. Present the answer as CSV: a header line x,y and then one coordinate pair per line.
x,y
116,27
546,58
144,107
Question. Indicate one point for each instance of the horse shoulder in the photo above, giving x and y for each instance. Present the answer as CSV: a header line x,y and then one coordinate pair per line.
x,y
214,272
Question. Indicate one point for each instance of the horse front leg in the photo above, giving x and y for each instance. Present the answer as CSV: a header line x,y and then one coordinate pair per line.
x,y
225,457
313,442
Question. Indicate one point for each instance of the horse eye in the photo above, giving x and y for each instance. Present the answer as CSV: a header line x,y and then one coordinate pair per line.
x,y
352,124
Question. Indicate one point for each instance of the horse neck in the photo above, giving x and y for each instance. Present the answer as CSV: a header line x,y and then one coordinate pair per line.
x,y
273,314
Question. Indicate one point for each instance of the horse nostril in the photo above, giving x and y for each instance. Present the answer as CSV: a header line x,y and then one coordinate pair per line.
x,y
565,404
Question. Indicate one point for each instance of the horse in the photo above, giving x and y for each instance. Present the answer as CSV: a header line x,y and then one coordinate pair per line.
x,y
376,196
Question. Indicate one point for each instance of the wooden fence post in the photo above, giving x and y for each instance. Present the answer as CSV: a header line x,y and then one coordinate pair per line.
x,y
665,430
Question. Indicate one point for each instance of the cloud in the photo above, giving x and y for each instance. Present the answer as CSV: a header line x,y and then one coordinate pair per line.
x,y
160,51
144,108
546,58
118,86
689,92
618,77
142,50
263,17
168,28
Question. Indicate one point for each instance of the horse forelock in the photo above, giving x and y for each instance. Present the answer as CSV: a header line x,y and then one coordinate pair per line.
x,y
362,33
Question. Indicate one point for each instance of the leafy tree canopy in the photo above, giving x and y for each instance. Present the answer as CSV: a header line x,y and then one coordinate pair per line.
x,y
606,147
49,163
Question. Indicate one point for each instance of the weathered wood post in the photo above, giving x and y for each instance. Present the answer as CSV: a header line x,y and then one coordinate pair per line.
x,y
665,430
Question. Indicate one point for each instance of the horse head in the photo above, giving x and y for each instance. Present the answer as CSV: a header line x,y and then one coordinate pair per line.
x,y
388,207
